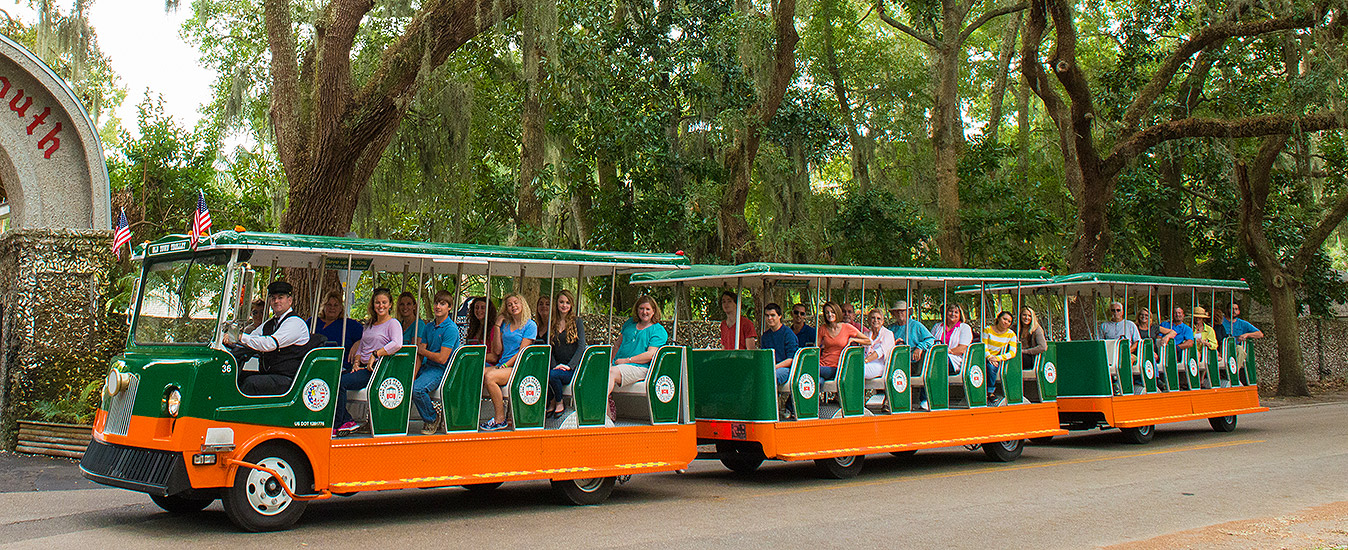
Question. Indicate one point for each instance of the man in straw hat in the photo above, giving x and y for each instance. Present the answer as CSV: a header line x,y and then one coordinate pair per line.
x,y
908,331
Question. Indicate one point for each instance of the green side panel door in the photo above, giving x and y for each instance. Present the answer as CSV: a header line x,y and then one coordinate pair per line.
x,y
311,401
733,384
663,383
976,374
529,383
1125,364
1013,386
1251,370
391,393
1170,360
462,392
896,380
1214,366
1048,373
1190,363
935,372
589,389
1082,369
852,381
1229,368
1147,356
805,383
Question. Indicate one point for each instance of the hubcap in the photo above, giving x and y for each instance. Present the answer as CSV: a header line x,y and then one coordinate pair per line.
x,y
1010,445
1145,430
846,461
589,485
265,494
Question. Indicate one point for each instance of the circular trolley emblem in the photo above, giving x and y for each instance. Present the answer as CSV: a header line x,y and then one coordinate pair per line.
x,y
806,386
316,395
664,389
976,376
390,393
1231,361
1149,369
530,390
899,380
1193,367
1050,373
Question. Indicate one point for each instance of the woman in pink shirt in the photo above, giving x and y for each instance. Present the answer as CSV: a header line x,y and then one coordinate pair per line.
x,y
383,337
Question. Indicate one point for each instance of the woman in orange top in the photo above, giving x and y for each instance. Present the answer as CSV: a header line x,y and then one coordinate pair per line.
x,y
833,337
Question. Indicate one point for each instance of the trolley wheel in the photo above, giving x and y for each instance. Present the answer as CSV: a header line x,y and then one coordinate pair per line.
x,y
842,467
1004,451
482,487
1223,423
584,492
905,454
1041,440
1140,435
739,459
178,504
256,501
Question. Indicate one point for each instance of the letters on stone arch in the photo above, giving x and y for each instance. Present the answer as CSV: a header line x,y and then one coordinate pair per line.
x,y
52,168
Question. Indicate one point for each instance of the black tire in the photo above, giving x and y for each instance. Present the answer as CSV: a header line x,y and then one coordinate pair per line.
x,y
1004,451
179,505
738,458
1223,423
256,501
483,487
584,492
1140,435
905,454
1042,440
842,467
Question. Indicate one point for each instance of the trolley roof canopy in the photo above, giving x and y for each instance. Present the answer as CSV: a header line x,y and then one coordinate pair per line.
x,y
1107,283
892,278
288,250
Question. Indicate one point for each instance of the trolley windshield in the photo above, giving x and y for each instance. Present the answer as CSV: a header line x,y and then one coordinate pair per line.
x,y
180,299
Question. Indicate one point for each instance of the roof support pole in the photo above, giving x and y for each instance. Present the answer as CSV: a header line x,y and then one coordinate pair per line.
x,y
739,305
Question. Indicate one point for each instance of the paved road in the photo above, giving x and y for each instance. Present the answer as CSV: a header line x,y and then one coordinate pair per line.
x,y
1082,490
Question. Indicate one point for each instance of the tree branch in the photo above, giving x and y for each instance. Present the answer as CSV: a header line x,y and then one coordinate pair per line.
x,y
1256,126
332,67
1211,35
989,16
884,16
1033,71
284,83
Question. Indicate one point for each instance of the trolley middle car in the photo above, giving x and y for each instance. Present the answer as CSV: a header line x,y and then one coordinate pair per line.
x,y
741,409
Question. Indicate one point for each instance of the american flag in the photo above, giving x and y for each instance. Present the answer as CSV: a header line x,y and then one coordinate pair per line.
x,y
121,236
201,223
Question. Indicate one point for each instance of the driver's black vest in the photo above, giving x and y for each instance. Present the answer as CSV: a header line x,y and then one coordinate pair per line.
x,y
286,360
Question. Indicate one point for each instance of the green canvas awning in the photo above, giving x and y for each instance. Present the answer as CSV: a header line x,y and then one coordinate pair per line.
x,y
1115,282
874,277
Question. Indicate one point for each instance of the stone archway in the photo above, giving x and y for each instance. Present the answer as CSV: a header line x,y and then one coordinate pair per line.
x,y
55,333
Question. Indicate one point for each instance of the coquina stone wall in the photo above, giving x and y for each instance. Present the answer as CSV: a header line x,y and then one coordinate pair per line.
x,y
1324,352
56,335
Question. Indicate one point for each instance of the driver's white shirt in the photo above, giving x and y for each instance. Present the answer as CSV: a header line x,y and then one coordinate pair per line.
x,y
292,331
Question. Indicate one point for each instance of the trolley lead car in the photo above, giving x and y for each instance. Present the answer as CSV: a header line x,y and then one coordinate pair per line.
x,y
740,407
1136,385
174,423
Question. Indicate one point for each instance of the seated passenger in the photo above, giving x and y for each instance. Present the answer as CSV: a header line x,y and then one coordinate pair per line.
x,y
542,307
1000,343
332,323
1184,335
382,337
881,346
1033,341
515,331
437,342
956,335
849,316
805,334
1240,329
1117,327
567,337
1204,334
834,335
780,340
409,318
1162,335
638,341
280,342
480,328
909,332
729,304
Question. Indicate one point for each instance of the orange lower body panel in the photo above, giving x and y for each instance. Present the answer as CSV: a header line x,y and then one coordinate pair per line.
x,y
462,459
1132,411
814,439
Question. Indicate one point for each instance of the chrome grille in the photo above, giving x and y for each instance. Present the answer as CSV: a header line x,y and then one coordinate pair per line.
x,y
119,409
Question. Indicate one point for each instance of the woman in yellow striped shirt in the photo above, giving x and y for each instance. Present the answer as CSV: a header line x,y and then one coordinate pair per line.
x,y
1000,344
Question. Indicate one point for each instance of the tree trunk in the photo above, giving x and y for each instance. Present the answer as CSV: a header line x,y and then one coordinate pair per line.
x,y
947,140
1023,132
529,210
1287,331
860,162
1004,54
1177,253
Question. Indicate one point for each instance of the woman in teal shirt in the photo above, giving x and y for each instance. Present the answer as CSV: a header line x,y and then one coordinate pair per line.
x,y
640,338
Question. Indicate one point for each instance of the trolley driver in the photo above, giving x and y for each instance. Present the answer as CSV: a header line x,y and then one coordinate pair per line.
x,y
280,342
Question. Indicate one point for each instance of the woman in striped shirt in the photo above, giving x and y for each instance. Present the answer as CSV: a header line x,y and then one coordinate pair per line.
x,y
1000,342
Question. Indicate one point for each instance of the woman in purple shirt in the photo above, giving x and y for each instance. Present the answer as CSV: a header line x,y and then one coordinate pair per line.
x,y
383,337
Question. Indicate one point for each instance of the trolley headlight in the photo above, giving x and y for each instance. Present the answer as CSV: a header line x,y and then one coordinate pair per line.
x,y
116,381
172,401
